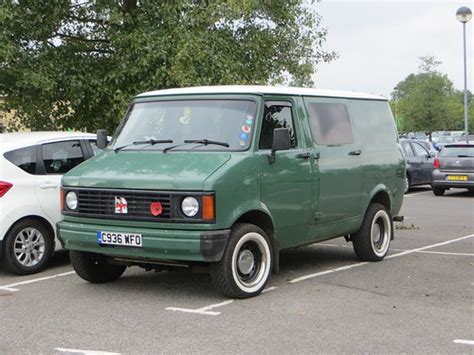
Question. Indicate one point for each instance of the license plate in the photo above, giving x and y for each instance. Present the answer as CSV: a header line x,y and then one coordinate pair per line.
x,y
121,239
457,177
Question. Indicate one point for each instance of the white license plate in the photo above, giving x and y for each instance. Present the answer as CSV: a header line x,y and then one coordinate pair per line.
x,y
122,239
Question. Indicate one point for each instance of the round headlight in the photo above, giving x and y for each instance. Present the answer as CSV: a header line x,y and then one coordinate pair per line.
x,y
71,200
190,206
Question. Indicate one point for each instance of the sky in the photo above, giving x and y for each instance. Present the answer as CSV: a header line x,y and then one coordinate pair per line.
x,y
379,42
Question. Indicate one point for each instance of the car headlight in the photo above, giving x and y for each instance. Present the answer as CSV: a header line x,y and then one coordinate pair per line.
x,y
71,200
190,206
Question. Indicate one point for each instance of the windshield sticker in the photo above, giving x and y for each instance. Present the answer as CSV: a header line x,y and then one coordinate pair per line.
x,y
186,117
244,136
246,129
249,121
243,143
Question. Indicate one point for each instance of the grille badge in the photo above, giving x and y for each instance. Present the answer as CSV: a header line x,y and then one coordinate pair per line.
x,y
121,205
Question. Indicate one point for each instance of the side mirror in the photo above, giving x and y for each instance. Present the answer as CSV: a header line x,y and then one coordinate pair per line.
x,y
281,141
101,138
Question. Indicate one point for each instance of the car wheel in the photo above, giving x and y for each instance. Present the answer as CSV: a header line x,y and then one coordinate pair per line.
x,y
94,268
438,191
246,264
372,241
407,183
28,247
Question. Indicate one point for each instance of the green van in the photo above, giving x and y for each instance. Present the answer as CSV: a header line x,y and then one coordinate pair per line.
x,y
228,176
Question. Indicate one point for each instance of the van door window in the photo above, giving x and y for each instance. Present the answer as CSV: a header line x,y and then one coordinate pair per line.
x,y
276,116
330,123
60,157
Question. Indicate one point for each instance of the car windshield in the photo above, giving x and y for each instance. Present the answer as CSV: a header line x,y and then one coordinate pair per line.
x,y
223,121
445,139
458,151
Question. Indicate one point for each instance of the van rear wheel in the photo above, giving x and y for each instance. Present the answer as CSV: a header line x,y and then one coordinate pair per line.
x,y
372,241
246,264
93,267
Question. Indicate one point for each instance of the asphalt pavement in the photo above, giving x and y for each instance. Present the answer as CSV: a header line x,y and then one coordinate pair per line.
x,y
418,300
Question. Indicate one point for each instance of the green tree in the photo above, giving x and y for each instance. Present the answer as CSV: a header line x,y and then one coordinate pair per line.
x,y
427,100
76,64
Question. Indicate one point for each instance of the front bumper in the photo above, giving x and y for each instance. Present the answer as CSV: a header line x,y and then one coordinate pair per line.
x,y
158,244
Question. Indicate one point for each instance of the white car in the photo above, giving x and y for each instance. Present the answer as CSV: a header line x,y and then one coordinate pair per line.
x,y
31,167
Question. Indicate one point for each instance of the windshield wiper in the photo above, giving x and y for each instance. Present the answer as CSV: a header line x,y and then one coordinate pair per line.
x,y
197,141
206,142
149,141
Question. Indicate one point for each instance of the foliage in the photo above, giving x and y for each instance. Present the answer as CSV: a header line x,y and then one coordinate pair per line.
x,y
76,64
427,100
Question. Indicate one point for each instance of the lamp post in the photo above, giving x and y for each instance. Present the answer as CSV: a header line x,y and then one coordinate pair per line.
x,y
464,14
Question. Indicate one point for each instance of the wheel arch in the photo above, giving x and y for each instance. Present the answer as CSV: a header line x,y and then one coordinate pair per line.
x,y
380,195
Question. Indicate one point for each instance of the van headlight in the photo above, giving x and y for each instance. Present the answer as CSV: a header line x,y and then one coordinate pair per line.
x,y
190,206
71,200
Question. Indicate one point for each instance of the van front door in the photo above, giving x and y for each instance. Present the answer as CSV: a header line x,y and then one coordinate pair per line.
x,y
286,183
337,201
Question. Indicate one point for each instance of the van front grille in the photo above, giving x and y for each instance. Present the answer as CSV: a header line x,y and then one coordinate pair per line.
x,y
122,204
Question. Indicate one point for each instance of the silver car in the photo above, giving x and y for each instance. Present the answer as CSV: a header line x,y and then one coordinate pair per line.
x,y
454,167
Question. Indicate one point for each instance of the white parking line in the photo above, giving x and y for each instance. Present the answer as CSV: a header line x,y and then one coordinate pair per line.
x,y
351,266
11,287
204,310
411,251
444,253
330,271
269,289
417,193
84,352
207,310
461,341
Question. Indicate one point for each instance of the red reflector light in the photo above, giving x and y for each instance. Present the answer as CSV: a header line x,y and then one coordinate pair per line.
x,y
4,187
436,164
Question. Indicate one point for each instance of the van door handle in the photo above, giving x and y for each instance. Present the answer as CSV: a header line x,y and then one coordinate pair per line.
x,y
48,185
303,156
356,152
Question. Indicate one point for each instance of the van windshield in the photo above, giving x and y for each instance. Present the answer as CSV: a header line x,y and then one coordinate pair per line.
x,y
227,121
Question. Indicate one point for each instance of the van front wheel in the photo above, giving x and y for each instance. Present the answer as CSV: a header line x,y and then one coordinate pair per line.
x,y
246,264
93,267
372,241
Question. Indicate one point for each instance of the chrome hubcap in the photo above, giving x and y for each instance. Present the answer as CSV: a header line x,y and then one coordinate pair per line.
x,y
246,262
29,247
380,232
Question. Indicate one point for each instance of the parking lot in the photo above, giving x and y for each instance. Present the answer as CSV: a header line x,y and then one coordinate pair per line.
x,y
419,299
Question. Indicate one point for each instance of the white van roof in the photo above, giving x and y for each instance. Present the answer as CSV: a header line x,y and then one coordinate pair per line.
x,y
261,90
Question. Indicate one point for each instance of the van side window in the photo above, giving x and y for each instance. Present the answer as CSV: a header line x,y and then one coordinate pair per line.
x,y
330,123
60,157
276,116
24,158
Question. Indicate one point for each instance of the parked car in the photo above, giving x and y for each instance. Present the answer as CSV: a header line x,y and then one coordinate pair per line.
x,y
454,167
226,177
462,138
442,140
419,163
31,167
